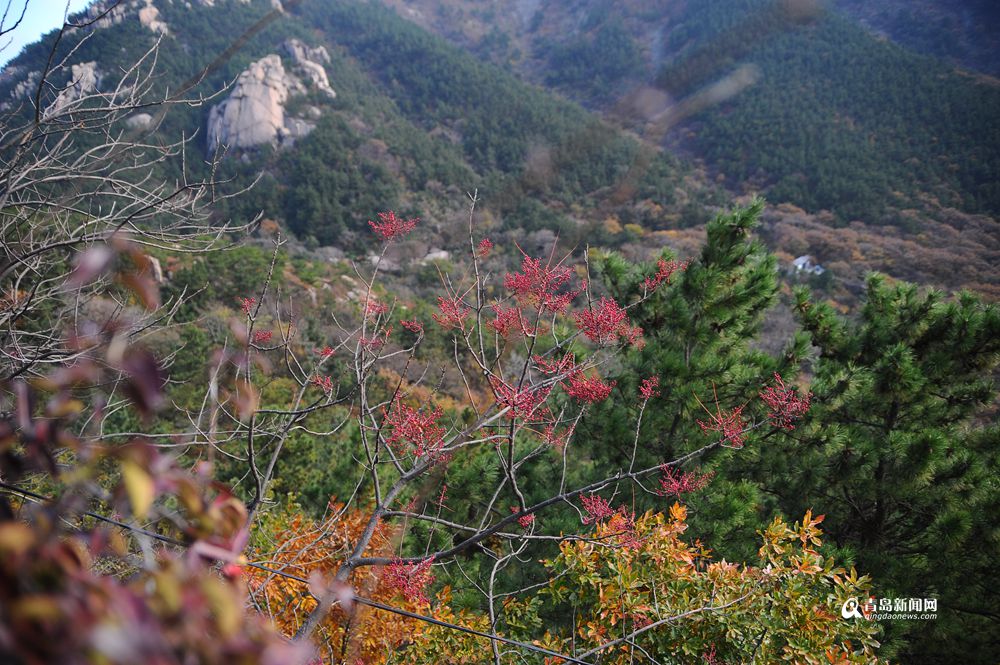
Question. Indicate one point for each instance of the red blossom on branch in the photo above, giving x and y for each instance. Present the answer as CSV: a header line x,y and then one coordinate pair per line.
x,y
247,304
565,365
649,388
508,320
484,248
540,285
673,482
555,438
453,313
607,322
325,352
784,404
597,507
375,343
410,579
587,389
420,430
524,520
523,403
664,271
413,326
262,336
729,424
622,523
323,382
389,227
374,309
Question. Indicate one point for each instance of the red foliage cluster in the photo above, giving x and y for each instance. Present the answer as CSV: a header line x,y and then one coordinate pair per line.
x,y
509,320
523,403
619,521
597,507
484,248
262,336
674,482
375,343
411,426
587,389
729,424
325,352
374,309
565,365
453,312
325,383
664,271
413,326
555,438
649,388
540,285
525,521
389,227
622,524
784,404
410,579
606,323
247,304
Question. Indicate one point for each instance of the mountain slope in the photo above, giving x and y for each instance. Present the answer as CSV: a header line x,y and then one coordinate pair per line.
x,y
832,118
966,33
412,117
786,98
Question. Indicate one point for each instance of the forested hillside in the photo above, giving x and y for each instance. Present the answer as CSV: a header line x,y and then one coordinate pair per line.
x,y
454,332
791,99
965,33
412,115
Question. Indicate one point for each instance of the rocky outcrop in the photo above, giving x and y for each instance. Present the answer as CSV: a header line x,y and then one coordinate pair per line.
x,y
309,64
149,16
254,112
139,121
112,12
84,80
109,13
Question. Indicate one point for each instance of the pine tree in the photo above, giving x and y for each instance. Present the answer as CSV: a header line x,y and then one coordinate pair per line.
x,y
698,331
896,455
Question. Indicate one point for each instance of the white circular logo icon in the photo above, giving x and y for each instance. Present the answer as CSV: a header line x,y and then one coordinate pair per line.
x,y
851,609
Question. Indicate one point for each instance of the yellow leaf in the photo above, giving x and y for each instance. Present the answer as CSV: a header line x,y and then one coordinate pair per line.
x,y
15,538
139,486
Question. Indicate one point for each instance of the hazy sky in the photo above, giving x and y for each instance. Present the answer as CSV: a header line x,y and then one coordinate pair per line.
x,y
41,16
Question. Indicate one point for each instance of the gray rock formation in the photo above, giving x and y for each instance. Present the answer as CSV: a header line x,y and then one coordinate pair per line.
x,y
110,13
84,80
254,112
138,121
149,16
113,12
309,64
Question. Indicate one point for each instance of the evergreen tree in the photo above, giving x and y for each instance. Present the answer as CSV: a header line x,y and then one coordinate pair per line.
x,y
896,455
698,331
